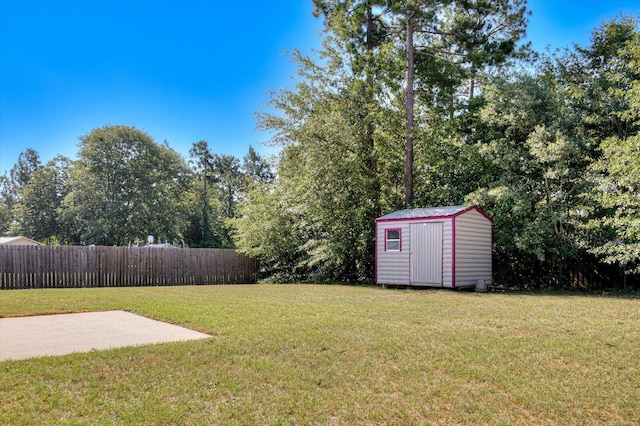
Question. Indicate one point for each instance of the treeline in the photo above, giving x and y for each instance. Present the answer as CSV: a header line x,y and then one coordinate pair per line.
x,y
427,103
124,186
407,104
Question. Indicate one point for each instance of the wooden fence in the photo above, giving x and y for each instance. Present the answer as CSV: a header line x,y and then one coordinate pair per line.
x,y
74,266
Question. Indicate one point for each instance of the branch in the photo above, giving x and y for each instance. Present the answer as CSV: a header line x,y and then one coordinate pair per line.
x,y
433,32
439,51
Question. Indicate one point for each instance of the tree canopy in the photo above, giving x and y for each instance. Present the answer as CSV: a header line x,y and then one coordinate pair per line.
x,y
123,187
410,103
529,140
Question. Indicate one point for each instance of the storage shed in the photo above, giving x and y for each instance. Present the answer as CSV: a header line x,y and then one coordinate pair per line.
x,y
434,247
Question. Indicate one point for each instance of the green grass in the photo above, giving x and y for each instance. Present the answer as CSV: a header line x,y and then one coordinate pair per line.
x,y
336,355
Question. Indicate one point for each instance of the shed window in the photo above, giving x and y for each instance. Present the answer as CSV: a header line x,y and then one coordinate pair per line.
x,y
392,240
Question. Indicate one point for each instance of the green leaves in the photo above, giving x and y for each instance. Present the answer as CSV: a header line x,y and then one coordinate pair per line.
x,y
549,150
123,187
41,199
555,198
618,168
220,184
619,193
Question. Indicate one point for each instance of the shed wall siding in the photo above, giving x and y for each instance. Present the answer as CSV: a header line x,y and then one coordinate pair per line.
x,y
393,266
473,249
447,254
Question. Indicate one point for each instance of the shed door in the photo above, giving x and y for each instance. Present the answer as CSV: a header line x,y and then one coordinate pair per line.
x,y
426,253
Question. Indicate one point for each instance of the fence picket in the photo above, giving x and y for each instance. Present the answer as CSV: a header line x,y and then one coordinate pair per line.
x,y
24,267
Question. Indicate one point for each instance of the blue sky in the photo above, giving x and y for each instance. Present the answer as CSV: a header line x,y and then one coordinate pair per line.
x,y
182,70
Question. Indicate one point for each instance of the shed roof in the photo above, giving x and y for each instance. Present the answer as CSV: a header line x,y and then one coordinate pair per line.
x,y
425,212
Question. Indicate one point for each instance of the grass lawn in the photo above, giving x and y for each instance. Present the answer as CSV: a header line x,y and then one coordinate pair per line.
x,y
337,355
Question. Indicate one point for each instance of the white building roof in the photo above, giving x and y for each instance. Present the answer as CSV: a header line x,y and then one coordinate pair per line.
x,y
18,241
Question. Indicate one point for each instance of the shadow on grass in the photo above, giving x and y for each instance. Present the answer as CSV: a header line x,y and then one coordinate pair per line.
x,y
512,291
603,293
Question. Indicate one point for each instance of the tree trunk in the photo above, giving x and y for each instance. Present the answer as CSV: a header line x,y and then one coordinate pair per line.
x,y
371,155
408,161
472,86
369,28
371,161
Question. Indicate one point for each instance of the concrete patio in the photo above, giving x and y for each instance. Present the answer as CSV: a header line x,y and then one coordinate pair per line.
x,y
46,335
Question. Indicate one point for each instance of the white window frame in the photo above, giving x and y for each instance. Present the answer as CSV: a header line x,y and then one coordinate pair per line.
x,y
393,244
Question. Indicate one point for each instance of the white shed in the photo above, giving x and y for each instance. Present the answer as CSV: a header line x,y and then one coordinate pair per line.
x,y
434,247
